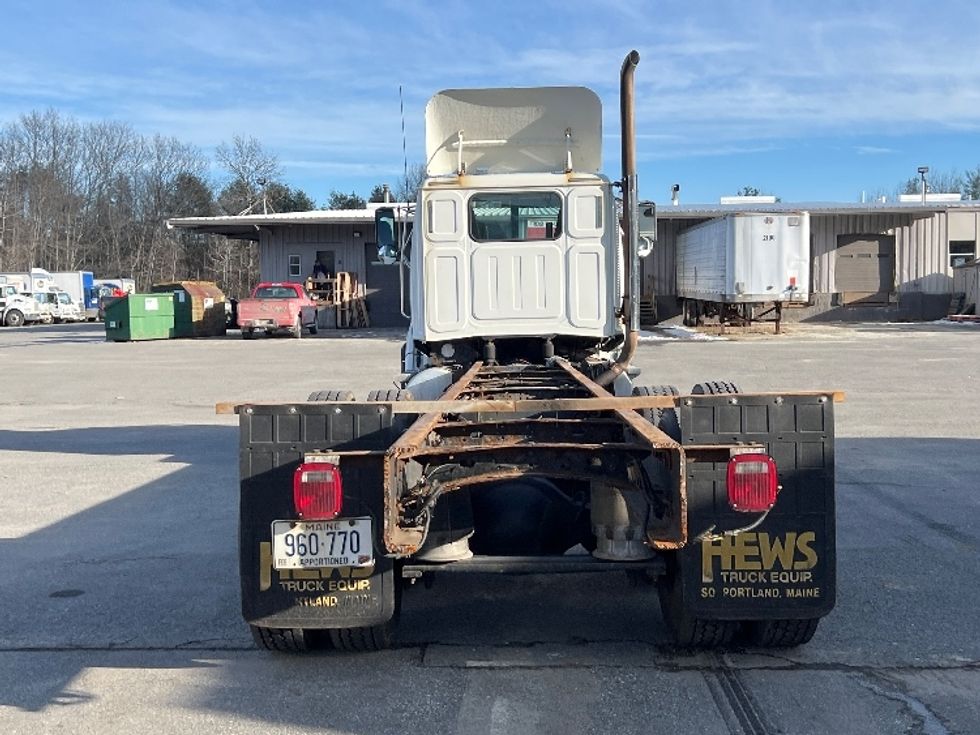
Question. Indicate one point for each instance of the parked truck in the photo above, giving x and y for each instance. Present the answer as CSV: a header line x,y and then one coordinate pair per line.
x,y
80,285
277,307
57,306
520,439
18,306
56,293
743,267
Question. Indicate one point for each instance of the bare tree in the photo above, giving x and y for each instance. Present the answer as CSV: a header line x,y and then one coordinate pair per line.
x,y
971,184
96,196
251,168
940,182
409,184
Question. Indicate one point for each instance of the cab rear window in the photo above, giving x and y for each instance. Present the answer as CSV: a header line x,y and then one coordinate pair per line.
x,y
275,292
515,217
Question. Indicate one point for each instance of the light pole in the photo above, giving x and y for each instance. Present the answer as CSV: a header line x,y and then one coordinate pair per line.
x,y
923,170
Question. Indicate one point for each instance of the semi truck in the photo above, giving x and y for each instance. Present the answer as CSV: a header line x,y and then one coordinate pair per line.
x,y
60,295
744,267
18,306
520,438
80,285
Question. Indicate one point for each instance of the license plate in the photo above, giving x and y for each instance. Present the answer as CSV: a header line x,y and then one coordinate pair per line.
x,y
317,544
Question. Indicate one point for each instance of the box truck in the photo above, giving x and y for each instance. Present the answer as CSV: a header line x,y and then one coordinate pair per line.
x,y
80,285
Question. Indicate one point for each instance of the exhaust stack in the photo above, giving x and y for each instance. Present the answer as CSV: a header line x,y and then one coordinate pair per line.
x,y
631,240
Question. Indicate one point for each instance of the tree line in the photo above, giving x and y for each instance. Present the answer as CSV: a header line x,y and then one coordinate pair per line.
x,y
96,196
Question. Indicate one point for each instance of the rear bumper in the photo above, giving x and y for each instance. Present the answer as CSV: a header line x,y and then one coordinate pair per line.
x,y
261,324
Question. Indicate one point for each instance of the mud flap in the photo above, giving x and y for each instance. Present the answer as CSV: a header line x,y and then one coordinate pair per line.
x,y
786,566
273,442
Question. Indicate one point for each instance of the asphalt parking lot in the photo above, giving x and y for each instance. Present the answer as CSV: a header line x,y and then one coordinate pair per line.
x,y
118,573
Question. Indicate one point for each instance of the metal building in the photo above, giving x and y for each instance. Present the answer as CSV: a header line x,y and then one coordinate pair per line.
x,y
880,261
292,243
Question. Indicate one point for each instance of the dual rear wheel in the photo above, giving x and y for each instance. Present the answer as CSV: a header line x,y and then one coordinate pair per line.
x,y
687,629
370,638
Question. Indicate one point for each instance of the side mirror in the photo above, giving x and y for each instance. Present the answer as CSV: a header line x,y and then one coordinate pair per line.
x,y
646,228
385,233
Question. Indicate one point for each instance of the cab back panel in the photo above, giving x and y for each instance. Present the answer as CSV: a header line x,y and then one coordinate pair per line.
x,y
534,287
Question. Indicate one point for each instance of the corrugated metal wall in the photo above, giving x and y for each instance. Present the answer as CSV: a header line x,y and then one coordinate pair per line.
x,y
921,250
922,256
658,269
278,243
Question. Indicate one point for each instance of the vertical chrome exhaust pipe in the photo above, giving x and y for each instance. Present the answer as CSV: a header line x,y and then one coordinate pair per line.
x,y
631,216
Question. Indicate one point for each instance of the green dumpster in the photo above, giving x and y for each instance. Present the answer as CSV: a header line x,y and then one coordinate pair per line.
x,y
140,316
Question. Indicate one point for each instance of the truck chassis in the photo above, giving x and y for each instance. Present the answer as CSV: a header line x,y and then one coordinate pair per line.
x,y
721,573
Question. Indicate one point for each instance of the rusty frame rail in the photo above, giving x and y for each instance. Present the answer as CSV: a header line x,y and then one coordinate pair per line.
x,y
492,425
568,443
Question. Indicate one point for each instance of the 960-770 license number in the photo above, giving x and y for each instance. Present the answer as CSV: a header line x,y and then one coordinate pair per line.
x,y
316,544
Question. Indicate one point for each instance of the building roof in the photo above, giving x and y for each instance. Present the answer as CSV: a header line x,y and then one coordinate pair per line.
x,y
700,211
246,226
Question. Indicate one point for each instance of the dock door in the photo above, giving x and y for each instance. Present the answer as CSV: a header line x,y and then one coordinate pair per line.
x,y
865,268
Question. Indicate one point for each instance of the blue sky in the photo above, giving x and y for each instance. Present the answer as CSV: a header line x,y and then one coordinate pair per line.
x,y
810,101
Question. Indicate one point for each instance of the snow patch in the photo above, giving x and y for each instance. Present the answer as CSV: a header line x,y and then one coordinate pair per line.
x,y
677,334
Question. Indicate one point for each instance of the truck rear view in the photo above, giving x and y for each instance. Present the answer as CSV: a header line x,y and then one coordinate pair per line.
x,y
520,440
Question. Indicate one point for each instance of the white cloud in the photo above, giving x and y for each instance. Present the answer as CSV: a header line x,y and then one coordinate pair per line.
x,y
319,84
873,150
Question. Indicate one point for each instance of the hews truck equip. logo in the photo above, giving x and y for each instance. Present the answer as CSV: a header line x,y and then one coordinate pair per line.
x,y
757,564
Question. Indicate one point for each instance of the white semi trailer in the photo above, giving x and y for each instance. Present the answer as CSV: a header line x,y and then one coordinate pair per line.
x,y
743,267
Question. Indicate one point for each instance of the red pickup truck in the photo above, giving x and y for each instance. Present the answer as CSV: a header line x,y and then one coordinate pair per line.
x,y
277,307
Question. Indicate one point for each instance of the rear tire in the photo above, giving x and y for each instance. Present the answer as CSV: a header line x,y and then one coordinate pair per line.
x,y
687,630
248,334
664,419
714,388
390,394
314,328
331,395
297,330
781,633
284,640
374,638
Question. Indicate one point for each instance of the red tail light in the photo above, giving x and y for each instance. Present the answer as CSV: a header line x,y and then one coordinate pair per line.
x,y
318,491
752,482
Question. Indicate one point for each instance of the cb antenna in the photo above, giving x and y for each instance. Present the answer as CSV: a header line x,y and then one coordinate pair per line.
x,y
401,107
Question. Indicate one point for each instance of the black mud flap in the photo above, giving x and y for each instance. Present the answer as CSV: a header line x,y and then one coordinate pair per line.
x,y
273,442
786,567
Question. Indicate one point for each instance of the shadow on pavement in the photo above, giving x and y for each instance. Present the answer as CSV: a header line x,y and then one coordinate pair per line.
x,y
148,579
149,568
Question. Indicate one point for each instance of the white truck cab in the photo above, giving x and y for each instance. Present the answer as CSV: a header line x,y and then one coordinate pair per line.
x,y
17,307
58,306
516,234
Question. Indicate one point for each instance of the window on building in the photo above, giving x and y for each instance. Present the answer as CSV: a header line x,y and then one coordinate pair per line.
x,y
515,217
295,268
961,251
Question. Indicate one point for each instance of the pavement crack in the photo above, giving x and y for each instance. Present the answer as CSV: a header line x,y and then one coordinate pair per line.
x,y
928,723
